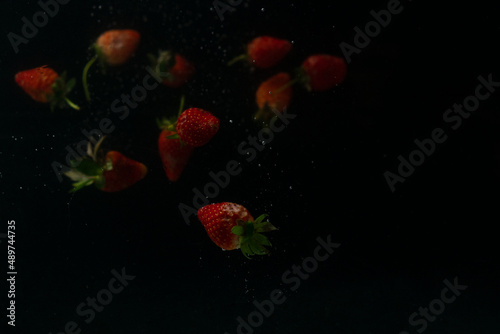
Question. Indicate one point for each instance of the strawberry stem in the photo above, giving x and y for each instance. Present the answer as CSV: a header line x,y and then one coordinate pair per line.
x,y
237,59
71,104
181,105
84,76
285,86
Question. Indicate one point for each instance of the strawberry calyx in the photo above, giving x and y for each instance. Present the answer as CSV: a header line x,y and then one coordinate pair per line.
x,y
88,170
252,242
60,88
170,124
163,63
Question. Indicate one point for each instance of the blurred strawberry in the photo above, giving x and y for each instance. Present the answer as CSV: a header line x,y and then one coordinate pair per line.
x,y
273,94
175,70
173,152
322,72
44,85
230,226
265,52
113,48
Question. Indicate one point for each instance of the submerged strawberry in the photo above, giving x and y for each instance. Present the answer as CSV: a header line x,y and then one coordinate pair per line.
x,y
265,51
231,226
196,126
117,46
113,173
44,85
174,69
173,152
273,94
322,71
113,48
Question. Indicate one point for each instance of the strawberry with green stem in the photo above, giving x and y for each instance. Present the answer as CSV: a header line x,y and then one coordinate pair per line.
x,y
44,85
173,152
231,226
173,69
113,48
194,126
264,52
111,173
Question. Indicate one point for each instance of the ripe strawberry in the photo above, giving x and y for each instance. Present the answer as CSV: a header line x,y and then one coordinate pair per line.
x,y
175,70
231,226
44,85
265,51
321,72
173,153
113,173
273,94
196,126
117,46
113,48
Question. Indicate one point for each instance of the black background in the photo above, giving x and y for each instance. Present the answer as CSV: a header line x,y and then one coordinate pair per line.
x,y
323,175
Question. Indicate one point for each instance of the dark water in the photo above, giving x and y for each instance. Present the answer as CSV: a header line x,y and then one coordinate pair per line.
x,y
321,177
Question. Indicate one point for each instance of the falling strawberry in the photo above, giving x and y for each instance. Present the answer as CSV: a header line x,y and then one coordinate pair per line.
x,y
231,226
113,173
265,51
174,69
44,85
173,152
113,48
321,72
196,126
273,95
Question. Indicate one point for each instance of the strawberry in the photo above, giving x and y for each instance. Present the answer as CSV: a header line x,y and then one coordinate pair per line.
x,y
113,48
174,69
265,51
196,126
174,153
44,85
231,226
117,46
273,94
321,72
113,173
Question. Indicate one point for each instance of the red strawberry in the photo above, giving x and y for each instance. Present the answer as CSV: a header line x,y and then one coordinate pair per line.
x,y
113,173
273,94
174,154
265,51
117,46
121,172
231,226
44,85
196,126
113,48
322,72
175,70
